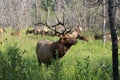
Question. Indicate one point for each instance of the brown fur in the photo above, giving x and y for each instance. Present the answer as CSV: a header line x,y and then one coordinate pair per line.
x,y
45,30
97,36
28,31
42,31
100,36
37,31
107,37
58,28
16,33
80,37
78,29
47,50
51,33
76,35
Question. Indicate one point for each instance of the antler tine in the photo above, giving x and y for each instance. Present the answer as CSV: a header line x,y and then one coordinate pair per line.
x,y
60,23
65,31
63,19
68,31
46,24
64,23
51,27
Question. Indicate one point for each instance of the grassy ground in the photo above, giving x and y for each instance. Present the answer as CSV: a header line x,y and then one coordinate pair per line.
x,y
84,61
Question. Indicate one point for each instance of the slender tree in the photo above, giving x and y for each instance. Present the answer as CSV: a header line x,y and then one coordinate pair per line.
x,y
36,12
84,14
104,21
111,11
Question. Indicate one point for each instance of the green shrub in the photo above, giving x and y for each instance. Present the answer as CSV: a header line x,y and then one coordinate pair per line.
x,y
11,64
84,71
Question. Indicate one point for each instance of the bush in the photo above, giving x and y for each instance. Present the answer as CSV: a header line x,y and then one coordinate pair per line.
x,y
87,72
11,64
14,67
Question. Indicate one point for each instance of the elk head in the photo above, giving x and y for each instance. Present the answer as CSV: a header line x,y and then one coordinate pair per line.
x,y
68,40
82,38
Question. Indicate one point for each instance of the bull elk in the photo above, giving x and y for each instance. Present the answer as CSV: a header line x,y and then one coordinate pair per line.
x,y
48,50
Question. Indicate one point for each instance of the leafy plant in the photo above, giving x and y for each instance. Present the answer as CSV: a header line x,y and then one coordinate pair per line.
x,y
12,64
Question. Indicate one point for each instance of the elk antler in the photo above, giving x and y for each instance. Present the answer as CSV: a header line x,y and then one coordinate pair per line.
x,y
59,23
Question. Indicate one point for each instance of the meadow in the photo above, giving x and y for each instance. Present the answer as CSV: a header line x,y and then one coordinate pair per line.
x,y
84,61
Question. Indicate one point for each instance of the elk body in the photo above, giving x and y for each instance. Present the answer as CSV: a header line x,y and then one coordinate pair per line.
x,y
28,31
47,50
100,36
42,31
16,33
107,37
51,33
38,31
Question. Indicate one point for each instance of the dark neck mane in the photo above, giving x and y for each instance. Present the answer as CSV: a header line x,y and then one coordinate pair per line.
x,y
59,49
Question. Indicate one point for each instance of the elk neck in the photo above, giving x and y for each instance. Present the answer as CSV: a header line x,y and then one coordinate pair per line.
x,y
59,49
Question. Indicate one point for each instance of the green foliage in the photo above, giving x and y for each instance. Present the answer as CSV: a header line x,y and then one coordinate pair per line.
x,y
83,61
57,68
86,72
83,69
12,64
14,67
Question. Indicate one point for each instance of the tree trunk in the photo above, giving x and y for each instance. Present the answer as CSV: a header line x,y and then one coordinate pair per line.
x,y
36,13
84,16
111,9
104,21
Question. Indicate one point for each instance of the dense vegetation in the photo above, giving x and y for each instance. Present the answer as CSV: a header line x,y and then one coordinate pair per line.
x,y
85,61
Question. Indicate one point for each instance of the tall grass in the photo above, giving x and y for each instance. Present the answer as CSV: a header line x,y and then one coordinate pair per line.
x,y
84,61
